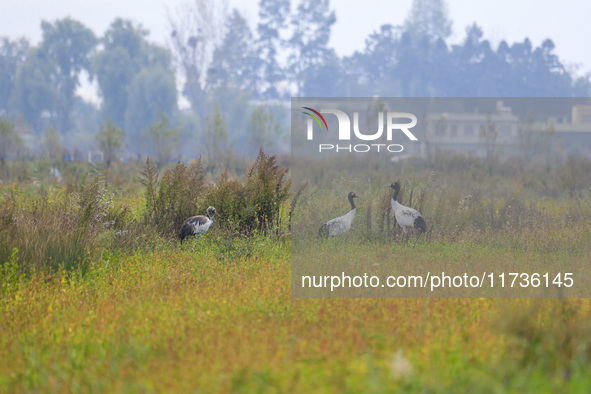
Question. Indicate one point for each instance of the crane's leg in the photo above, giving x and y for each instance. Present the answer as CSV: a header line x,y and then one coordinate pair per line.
x,y
417,240
197,238
405,233
323,232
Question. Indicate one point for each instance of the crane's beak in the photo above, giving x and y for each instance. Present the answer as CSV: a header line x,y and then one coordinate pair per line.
x,y
216,212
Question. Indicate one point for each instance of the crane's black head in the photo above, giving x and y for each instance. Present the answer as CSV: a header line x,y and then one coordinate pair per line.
x,y
395,186
351,196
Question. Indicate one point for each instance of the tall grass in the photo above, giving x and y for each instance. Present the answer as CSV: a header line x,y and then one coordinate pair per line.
x,y
454,209
61,229
69,226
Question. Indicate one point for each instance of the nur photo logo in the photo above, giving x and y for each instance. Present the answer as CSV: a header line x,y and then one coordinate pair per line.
x,y
393,123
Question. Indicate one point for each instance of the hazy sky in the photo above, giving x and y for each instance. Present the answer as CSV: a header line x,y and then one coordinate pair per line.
x,y
566,22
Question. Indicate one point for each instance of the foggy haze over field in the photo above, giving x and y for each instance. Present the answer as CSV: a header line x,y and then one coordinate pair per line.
x,y
565,22
184,79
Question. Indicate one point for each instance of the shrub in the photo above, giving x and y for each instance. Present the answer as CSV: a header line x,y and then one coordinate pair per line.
x,y
256,204
173,198
267,189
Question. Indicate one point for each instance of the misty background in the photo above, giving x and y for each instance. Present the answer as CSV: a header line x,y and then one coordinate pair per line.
x,y
218,83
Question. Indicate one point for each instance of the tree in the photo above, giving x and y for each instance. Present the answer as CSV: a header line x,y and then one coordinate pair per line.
x,y
428,18
582,86
12,55
264,131
234,61
9,140
474,60
110,139
34,92
548,68
441,69
123,33
67,44
309,42
52,145
116,65
114,71
326,79
152,91
215,140
407,60
375,64
272,21
135,78
197,30
162,139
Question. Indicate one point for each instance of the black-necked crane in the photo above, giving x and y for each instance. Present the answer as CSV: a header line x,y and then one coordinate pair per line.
x,y
407,217
340,225
198,225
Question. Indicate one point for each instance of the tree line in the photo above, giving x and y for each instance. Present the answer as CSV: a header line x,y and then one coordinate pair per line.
x,y
135,77
221,65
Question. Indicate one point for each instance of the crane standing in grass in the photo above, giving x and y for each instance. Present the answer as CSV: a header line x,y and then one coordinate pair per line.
x,y
340,225
407,217
197,225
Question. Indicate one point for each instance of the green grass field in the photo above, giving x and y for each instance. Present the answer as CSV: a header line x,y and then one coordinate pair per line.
x,y
133,311
173,319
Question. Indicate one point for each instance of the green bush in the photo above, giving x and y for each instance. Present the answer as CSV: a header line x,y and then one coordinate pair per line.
x,y
244,207
173,198
255,205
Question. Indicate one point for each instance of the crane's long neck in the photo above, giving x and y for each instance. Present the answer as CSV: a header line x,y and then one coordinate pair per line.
x,y
352,201
395,196
395,204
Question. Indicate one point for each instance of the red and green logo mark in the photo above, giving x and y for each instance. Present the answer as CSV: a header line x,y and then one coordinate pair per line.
x,y
316,118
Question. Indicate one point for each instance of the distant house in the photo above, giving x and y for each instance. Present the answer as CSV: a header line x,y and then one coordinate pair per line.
x,y
575,135
473,134
507,135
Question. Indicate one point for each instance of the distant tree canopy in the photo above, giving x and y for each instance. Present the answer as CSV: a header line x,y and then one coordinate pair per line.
x,y
67,45
428,19
9,139
414,59
273,17
12,55
116,65
219,58
234,61
110,139
135,78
